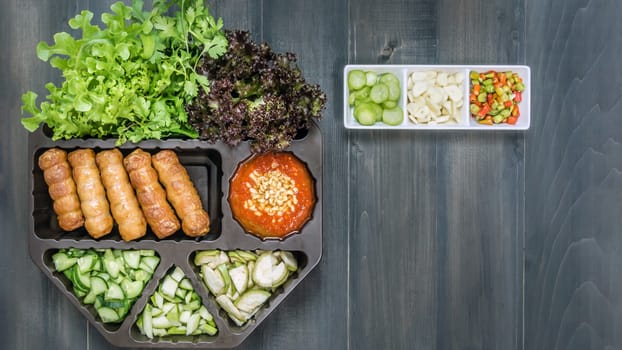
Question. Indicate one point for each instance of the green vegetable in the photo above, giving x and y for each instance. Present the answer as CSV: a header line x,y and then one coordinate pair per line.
x,y
357,79
366,113
167,313
371,94
247,280
256,95
393,116
112,294
495,99
379,93
131,78
370,78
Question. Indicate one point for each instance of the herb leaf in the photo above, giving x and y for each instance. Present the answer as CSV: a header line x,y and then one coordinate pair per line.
x,y
131,78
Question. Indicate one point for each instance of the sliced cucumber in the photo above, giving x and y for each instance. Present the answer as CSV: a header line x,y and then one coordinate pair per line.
x,y
182,314
388,105
394,91
230,308
106,278
163,322
382,92
193,323
149,263
246,255
177,274
208,329
252,300
62,262
89,298
114,292
86,263
112,266
393,116
371,78
379,93
279,275
98,285
389,78
289,260
356,79
246,282
268,271
168,287
212,258
108,315
222,268
142,275
185,284
214,281
239,277
205,314
147,252
365,113
82,280
132,289
132,258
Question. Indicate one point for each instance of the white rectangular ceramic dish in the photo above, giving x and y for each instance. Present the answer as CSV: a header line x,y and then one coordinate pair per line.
x,y
464,119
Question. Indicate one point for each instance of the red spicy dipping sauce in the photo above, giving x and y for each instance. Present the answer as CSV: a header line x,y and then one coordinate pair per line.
x,y
272,195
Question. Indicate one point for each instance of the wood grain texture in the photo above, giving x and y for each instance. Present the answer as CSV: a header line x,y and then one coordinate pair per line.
x,y
573,284
313,315
35,314
423,232
481,185
392,202
436,231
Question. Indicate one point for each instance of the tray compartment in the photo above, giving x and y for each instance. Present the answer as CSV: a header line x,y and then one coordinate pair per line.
x,y
187,339
302,260
463,113
467,123
202,161
204,167
67,287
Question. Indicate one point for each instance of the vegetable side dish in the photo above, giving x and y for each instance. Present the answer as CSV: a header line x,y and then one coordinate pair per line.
x,y
109,279
272,195
495,96
175,309
435,97
375,97
242,281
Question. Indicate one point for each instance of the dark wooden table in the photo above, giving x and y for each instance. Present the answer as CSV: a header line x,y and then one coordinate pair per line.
x,y
432,240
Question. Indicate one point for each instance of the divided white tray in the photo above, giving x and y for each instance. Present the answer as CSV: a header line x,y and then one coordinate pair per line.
x,y
467,122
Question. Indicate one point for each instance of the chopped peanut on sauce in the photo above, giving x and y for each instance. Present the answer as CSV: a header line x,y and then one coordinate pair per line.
x,y
272,195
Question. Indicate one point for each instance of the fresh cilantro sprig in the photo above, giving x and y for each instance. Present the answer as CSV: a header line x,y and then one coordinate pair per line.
x,y
131,78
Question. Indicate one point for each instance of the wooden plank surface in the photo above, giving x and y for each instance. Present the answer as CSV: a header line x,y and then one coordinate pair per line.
x,y
423,232
573,297
313,315
34,314
436,218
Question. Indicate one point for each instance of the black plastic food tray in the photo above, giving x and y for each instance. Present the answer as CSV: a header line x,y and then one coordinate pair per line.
x,y
210,166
